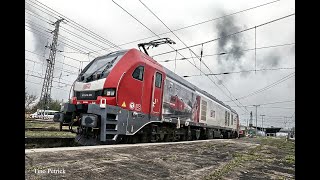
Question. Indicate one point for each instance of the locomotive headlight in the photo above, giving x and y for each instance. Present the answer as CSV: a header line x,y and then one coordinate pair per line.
x,y
89,120
110,92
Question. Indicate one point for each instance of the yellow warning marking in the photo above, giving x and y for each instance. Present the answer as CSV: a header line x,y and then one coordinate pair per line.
x,y
124,104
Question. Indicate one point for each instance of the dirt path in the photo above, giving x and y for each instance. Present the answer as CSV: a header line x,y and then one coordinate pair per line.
x,y
225,159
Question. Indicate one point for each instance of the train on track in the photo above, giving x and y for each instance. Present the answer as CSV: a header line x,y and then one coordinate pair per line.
x,y
126,96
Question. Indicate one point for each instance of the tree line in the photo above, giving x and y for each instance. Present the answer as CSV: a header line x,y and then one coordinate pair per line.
x,y
31,104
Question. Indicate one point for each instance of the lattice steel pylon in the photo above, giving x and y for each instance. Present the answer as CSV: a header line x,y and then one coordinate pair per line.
x,y
47,81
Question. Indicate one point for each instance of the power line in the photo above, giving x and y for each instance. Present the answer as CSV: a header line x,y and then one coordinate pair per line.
x,y
75,24
278,19
71,33
182,42
224,73
82,38
52,80
79,51
71,47
159,37
41,85
272,107
58,53
65,39
36,15
196,24
201,44
42,74
223,53
57,61
278,102
268,86
71,72
279,107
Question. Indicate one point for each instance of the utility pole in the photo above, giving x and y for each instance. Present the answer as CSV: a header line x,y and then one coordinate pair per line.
x,y
45,96
247,122
250,123
285,121
256,118
285,125
262,121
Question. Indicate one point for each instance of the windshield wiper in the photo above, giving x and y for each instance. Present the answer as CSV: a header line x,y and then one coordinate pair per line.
x,y
107,67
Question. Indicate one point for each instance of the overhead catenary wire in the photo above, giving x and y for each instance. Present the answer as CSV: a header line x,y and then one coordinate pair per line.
x,y
268,86
45,20
52,80
68,57
277,102
69,32
72,23
191,51
158,37
46,35
243,71
53,77
208,41
223,53
71,72
62,43
41,85
57,61
199,23
82,49
238,32
275,107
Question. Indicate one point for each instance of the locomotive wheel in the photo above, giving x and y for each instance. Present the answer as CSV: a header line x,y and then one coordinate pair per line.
x,y
183,137
189,134
134,139
144,138
166,138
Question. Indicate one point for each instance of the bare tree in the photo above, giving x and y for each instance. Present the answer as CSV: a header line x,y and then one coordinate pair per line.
x,y
29,99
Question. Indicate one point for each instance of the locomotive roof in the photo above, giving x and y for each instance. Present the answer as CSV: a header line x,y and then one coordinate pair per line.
x,y
174,76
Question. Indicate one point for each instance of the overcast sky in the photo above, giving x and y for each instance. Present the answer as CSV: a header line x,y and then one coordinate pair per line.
x,y
113,24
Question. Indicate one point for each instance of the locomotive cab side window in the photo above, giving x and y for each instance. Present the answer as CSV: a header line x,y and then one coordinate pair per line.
x,y
138,73
158,80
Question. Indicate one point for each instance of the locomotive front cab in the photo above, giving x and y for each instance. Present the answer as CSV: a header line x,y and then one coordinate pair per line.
x,y
90,84
115,95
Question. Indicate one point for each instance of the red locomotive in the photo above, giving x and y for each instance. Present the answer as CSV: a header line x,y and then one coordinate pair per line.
x,y
126,96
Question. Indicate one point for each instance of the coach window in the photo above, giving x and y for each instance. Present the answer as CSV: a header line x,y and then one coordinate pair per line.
x,y
226,120
138,73
231,119
158,80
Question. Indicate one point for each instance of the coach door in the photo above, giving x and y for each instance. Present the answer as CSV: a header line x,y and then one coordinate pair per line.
x,y
157,87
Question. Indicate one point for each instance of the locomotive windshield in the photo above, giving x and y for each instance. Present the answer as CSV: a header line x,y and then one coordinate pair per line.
x,y
100,67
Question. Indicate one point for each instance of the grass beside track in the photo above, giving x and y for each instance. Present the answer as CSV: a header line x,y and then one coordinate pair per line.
x,y
260,154
46,125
